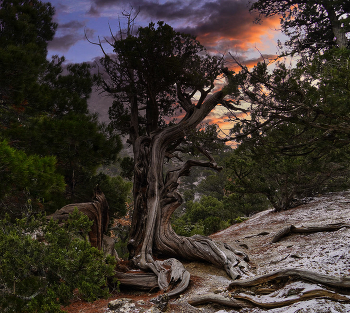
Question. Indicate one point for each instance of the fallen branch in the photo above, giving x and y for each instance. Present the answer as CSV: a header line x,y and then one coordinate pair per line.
x,y
307,229
332,281
311,294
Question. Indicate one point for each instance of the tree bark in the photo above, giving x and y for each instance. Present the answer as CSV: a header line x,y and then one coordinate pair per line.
x,y
311,294
337,29
244,301
306,229
332,281
97,211
155,199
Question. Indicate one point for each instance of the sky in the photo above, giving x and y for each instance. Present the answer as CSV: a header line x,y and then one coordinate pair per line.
x,y
222,26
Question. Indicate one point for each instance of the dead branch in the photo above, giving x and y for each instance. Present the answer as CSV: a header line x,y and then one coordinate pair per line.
x,y
307,229
327,280
184,101
311,294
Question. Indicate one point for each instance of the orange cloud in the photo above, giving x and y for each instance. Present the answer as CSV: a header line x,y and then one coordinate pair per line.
x,y
242,37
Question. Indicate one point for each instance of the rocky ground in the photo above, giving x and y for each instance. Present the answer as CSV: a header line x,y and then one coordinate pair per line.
x,y
321,252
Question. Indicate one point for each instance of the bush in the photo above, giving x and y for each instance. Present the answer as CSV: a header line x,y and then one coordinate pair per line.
x,y
211,225
40,276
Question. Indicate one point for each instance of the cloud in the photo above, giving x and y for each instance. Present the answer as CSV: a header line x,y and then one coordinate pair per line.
x,y
227,25
221,25
63,43
68,34
234,62
94,12
72,25
60,7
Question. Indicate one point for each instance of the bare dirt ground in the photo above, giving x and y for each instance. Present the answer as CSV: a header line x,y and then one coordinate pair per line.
x,y
321,252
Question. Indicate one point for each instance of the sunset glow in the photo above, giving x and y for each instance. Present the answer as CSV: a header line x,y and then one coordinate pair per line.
x,y
224,27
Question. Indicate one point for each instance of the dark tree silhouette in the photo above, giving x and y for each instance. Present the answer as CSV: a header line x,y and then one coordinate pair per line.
x,y
162,82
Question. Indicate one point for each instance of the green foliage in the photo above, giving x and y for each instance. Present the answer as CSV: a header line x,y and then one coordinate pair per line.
x,y
80,145
37,175
148,71
216,202
238,204
39,276
116,191
206,135
43,107
122,249
295,142
257,166
183,227
207,206
311,26
127,166
204,217
239,220
25,28
212,224
213,185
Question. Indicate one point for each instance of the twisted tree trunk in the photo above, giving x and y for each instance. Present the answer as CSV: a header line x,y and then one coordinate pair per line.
x,y
155,199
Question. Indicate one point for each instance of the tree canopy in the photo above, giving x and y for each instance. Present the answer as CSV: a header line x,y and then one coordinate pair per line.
x,y
25,29
50,151
311,26
154,73
294,134
43,108
163,86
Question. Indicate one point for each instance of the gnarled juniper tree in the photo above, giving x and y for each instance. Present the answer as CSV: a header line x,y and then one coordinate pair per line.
x,y
162,82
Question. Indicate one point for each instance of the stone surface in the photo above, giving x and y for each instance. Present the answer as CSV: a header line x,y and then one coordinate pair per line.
x,y
124,305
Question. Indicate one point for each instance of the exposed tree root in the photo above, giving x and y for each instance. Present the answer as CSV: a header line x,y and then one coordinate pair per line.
x,y
332,281
201,248
171,276
308,229
269,283
244,301
139,280
311,294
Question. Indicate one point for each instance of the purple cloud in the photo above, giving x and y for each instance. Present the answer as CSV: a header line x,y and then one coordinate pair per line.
x,y
94,12
63,43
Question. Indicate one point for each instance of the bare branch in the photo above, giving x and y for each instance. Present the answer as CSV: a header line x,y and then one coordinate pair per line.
x,y
172,155
185,102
